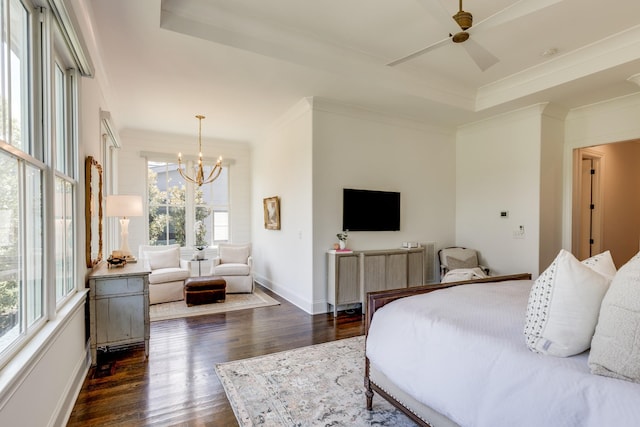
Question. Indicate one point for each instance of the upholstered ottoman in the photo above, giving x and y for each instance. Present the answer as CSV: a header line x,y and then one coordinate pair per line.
x,y
204,290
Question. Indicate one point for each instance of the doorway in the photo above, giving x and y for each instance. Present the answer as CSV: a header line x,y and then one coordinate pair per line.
x,y
606,200
590,229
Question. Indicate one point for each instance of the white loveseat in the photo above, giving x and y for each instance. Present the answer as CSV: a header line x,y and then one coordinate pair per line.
x,y
168,272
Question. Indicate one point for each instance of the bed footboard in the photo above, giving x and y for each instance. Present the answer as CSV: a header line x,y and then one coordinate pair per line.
x,y
377,300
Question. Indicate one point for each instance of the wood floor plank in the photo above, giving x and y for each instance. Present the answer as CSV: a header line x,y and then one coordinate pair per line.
x,y
177,384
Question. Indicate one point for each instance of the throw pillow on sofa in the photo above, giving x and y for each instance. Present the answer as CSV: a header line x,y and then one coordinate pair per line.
x,y
169,258
234,254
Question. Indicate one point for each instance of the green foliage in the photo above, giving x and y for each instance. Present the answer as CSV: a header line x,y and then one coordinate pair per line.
x,y
200,231
167,213
8,235
8,296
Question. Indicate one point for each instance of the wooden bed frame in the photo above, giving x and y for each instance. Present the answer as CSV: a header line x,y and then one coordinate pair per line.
x,y
377,300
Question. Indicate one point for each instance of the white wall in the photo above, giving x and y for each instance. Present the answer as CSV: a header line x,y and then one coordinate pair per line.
x,y
282,167
132,174
358,149
512,162
317,149
551,151
353,148
498,164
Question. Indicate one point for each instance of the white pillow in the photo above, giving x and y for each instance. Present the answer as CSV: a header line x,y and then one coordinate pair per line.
x,y
234,254
164,259
603,264
563,306
615,348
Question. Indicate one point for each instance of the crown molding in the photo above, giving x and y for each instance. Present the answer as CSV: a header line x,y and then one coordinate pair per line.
x,y
603,55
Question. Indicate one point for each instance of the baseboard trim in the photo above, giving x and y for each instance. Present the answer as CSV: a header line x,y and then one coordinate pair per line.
x,y
72,391
294,299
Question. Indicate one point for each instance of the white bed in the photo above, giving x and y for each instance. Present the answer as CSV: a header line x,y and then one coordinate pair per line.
x,y
461,352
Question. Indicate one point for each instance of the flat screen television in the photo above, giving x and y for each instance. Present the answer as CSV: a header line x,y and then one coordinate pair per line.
x,y
367,210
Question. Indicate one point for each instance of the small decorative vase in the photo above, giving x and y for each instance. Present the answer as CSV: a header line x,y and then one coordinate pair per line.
x,y
342,244
198,254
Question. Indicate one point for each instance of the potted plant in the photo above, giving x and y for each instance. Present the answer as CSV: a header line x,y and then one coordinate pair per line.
x,y
200,231
342,237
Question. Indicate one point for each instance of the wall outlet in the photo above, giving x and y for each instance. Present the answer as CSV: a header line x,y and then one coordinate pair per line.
x,y
518,233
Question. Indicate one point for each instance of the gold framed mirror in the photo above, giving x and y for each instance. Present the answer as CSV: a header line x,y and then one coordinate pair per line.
x,y
93,211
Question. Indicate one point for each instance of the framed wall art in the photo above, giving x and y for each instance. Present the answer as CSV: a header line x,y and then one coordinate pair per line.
x,y
272,213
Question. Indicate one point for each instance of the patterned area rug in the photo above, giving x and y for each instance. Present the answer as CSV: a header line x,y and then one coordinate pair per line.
x,y
233,302
319,385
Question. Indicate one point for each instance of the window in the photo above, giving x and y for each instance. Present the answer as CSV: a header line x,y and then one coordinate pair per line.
x,y
16,68
64,237
32,155
21,187
65,187
183,213
21,284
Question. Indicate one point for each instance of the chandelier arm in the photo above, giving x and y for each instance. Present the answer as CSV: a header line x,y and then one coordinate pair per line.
x,y
199,179
184,175
216,169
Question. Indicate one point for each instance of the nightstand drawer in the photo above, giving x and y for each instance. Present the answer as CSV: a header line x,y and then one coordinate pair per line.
x,y
108,287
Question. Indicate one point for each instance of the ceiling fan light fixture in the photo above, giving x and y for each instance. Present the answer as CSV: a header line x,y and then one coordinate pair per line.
x,y
460,37
463,19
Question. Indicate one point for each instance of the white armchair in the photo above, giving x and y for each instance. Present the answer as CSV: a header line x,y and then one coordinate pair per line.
x,y
168,272
235,265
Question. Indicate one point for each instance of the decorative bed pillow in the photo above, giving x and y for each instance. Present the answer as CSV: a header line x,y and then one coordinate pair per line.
x,y
603,264
164,259
615,348
563,306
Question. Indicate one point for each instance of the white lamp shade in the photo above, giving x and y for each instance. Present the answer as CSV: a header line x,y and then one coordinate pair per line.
x,y
121,205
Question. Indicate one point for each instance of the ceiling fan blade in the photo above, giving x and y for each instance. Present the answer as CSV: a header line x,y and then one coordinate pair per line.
x,y
420,52
439,12
515,11
481,56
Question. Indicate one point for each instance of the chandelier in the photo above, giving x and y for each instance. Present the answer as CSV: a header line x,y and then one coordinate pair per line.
x,y
199,178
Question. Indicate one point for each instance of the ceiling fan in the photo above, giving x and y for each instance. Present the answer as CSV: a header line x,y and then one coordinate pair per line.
x,y
481,56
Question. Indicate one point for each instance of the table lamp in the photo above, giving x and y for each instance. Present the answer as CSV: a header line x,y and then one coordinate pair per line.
x,y
124,207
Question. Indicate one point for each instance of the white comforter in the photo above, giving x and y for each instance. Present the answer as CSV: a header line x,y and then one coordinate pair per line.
x,y
462,352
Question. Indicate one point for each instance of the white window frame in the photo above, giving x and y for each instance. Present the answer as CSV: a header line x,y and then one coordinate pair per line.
x,y
47,44
189,198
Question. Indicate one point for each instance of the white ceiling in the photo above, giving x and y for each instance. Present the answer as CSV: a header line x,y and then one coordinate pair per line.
x,y
243,63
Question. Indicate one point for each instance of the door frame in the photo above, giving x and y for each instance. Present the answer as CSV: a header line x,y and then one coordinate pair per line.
x,y
580,154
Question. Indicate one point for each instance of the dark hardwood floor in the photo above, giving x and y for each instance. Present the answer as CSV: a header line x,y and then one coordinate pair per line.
x,y
178,385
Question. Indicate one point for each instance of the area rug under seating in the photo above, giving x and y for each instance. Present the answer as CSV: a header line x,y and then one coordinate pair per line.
x,y
233,302
319,385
